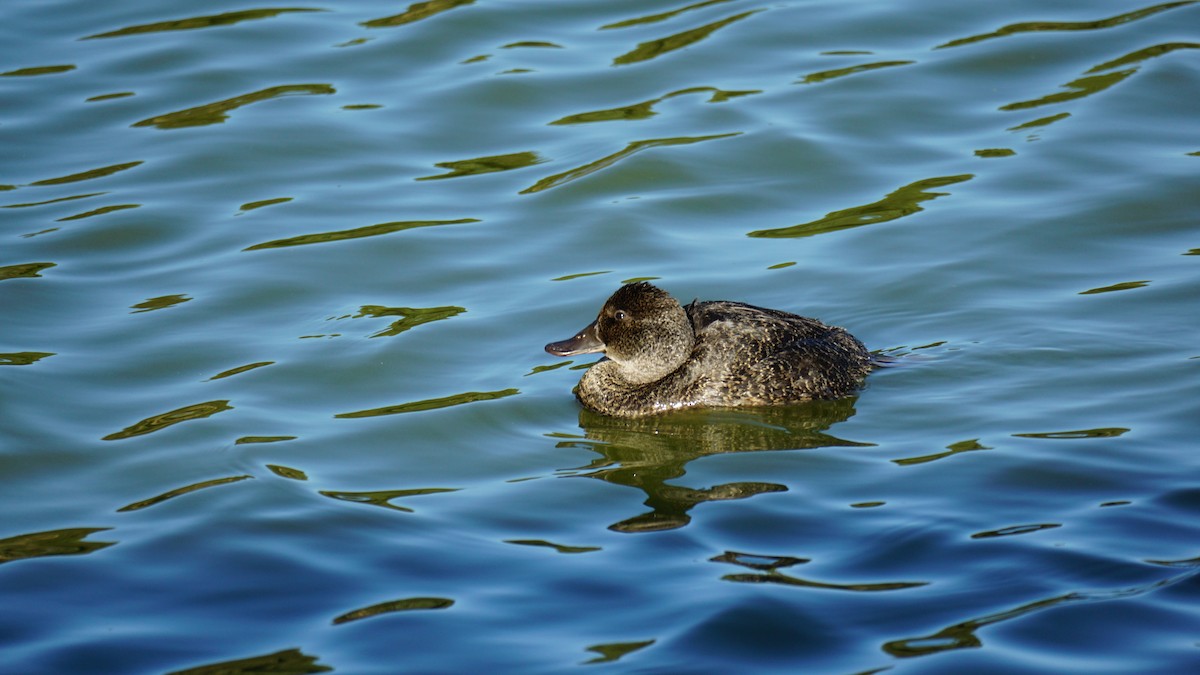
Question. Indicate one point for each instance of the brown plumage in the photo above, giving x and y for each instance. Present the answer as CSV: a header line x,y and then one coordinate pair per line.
x,y
662,356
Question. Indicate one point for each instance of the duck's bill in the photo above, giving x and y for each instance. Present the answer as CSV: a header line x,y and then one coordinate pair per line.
x,y
586,342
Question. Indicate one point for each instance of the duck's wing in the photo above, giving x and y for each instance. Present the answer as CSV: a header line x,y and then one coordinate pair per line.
x,y
764,330
768,355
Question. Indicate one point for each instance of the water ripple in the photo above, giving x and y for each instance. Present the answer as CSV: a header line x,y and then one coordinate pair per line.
x,y
431,404
645,109
1055,26
651,49
218,111
661,16
112,208
1014,530
561,548
240,369
902,202
161,302
651,454
90,174
1078,88
962,635
410,317
482,165
177,492
170,418
392,606
24,270
383,498
826,75
191,23
23,358
767,568
633,148
417,12
34,71
286,661
356,233
613,651
68,541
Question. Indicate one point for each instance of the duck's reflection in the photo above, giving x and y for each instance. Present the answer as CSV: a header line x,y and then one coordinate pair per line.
x,y
646,453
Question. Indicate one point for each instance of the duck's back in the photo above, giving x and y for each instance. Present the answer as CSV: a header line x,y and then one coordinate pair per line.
x,y
747,355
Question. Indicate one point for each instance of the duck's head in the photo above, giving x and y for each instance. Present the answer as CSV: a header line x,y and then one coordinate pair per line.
x,y
641,328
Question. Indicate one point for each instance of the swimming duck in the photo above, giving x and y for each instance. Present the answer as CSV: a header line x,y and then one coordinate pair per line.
x,y
661,356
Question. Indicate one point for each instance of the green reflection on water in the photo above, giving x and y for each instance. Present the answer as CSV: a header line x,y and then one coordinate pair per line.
x,y
287,472
416,12
217,112
991,153
98,212
1079,88
767,572
580,275
1123,286
951,450
161,302
383,498
557,547
482,165
1043,26
431,404
53,201
649,454
543,369
68,541
1103,432
169,418
655,48
902,202
1040,122
411,317
356,233
605,162
250,206
645,109
37,70
531,44
663,16
240,369
171,494
404,605
826,75
286,662
24,270
226,19
1143,54
89,174
22,358
615,650
109,97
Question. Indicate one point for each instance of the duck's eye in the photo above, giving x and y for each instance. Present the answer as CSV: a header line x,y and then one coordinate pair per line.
x,y
620,315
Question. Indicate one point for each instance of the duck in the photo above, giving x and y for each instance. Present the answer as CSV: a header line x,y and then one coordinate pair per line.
x,y
661,356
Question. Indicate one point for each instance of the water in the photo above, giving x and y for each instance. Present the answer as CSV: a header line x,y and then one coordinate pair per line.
x,y
274,285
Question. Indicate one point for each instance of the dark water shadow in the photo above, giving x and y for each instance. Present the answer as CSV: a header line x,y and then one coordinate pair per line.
x,y
647,453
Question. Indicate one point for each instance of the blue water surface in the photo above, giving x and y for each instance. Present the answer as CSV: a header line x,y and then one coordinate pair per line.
x,y
275,281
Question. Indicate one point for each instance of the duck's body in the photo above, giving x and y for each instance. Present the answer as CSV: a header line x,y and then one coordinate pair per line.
x,y
661,356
